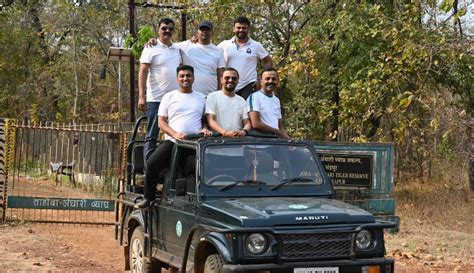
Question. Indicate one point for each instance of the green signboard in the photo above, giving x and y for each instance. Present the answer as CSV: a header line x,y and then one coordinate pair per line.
x,y
60,203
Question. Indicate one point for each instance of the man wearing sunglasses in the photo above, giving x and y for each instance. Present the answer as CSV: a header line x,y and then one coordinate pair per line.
x,y
227,113
206,58
157,77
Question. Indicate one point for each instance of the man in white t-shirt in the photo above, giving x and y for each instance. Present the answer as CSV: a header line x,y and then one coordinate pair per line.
x,y
264,107
180,114
156,77
243,54
227,113
206,58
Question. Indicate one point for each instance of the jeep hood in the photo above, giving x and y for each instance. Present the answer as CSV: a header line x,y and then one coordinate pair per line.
x,y
281,211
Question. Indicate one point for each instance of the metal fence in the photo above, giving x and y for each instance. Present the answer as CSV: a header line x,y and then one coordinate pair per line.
x,y
66,173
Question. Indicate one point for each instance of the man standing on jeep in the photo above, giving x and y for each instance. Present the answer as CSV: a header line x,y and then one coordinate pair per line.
x,y
205,57
227,113
264,107
243,53
156,78
179,115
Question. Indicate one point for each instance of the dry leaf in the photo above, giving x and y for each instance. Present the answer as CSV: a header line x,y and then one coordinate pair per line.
x,y
429,257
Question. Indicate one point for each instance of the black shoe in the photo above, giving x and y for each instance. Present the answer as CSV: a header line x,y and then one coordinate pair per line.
x,y
143,204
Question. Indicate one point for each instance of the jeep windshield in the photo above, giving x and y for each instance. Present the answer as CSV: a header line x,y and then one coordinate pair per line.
x,y
229,167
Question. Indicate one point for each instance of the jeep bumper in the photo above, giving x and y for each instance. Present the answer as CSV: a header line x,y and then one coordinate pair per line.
x,y
344,266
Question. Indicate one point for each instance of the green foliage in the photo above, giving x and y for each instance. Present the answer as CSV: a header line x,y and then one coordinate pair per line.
x,y
37,60
145,33
349,71
392,75
446,5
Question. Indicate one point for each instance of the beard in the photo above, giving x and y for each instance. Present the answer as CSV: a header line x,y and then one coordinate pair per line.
x,y
241,35
230,88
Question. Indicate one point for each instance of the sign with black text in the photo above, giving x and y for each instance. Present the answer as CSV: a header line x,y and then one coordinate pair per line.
x,y
348,169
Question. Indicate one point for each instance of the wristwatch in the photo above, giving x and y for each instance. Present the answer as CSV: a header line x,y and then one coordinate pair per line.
x,y
246,131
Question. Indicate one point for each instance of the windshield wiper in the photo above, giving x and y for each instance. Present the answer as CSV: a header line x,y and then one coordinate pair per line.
x,y
246,181
291,180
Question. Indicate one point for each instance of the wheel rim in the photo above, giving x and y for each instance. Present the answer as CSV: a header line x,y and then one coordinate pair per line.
x,y
137,256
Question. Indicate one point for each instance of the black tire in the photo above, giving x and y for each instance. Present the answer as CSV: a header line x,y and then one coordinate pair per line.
x,y
213,264
138,262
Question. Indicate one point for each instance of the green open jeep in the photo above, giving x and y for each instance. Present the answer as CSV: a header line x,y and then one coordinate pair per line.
x,y
245,205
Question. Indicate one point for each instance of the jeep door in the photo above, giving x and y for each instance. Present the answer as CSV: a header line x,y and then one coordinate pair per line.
x,y
179,211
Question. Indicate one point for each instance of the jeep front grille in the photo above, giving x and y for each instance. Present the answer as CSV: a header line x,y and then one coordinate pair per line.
x,y
299,246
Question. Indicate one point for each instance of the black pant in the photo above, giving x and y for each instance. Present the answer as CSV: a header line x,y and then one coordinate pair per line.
x,y
156,163
246,91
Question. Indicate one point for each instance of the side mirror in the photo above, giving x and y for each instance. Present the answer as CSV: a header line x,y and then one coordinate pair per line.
x,y
181,187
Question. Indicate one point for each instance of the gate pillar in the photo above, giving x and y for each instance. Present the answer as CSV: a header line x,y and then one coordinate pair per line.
x,y
7,148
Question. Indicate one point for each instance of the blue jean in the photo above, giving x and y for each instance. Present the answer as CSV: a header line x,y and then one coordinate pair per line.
x,y
152,129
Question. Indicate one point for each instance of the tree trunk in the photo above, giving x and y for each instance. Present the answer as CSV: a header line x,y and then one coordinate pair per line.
x,y
458,21
470,135
76,76
333,125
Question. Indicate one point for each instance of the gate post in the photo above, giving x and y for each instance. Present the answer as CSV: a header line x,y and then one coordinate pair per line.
x,y
7,151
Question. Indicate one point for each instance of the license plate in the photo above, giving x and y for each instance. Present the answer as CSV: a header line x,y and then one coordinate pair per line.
x,y
316,270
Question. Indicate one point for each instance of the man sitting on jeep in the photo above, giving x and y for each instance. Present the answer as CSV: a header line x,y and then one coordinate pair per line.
x,y
227,112
180,114
264,107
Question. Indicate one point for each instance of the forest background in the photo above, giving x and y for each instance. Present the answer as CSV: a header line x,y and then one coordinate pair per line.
x,y
361,71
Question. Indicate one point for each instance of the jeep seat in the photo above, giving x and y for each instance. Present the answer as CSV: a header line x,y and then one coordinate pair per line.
x,y
190,173
138,164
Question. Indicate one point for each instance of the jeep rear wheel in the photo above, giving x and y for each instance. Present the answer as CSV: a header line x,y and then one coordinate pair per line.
x,y
213,264
138,262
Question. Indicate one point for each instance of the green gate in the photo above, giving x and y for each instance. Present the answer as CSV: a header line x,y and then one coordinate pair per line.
x,y
54,173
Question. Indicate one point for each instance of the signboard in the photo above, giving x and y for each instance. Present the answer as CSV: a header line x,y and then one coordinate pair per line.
x,y
348,169
60,203
362,174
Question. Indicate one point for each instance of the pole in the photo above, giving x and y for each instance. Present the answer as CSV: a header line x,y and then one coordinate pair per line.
x,y
183,26
120,91
131,16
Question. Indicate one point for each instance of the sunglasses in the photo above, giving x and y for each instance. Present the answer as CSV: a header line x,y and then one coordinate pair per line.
x,y
167,28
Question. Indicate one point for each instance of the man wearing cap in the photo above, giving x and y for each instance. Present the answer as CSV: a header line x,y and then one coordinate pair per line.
x,y
243,53
156,77
206,58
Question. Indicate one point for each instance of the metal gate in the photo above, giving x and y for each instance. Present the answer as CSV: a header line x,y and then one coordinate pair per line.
x,y
61,173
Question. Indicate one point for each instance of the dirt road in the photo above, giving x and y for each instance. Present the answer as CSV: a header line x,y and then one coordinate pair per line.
x,y
437,235
58,248
66,248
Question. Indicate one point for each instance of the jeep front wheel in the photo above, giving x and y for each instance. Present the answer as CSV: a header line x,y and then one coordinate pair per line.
x,y
138,262
213,264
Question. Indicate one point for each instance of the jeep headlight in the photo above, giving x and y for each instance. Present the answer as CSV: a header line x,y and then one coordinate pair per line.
x,y
256,243
364,240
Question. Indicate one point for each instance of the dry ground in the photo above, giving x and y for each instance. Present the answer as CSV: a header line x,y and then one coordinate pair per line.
x,y
437,235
